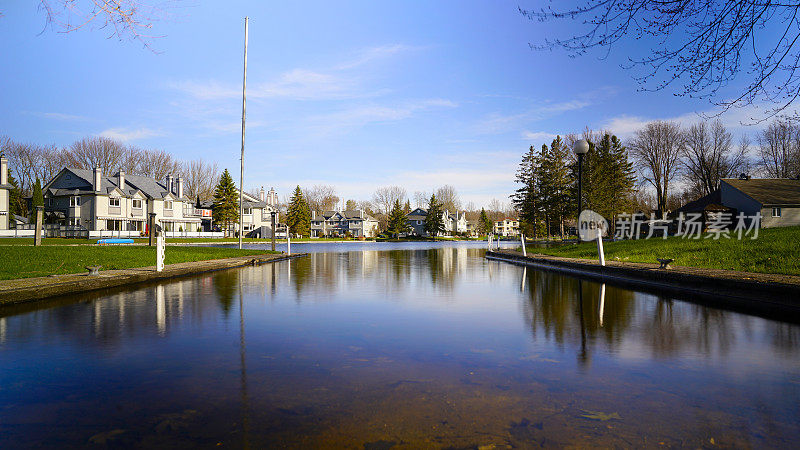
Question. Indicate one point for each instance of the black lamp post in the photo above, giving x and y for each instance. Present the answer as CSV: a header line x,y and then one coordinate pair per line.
x,y
581,147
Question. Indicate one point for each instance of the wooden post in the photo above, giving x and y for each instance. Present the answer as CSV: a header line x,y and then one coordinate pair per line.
x,y
522,239
600,253
37,234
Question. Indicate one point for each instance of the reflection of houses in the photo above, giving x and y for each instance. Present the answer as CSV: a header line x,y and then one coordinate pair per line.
x,y
120,202
5,195
356,223
454,223
506,227
776,199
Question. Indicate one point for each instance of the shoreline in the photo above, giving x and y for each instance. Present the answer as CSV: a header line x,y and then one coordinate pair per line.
x,y
772,294
22,290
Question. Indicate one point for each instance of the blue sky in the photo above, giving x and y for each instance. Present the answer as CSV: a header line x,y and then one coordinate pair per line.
x,y
356,95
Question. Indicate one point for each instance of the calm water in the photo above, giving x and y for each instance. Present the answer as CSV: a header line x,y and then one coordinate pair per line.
x,y
406,348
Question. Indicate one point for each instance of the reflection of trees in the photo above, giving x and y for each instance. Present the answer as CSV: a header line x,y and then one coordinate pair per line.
x,y
226,284
678,326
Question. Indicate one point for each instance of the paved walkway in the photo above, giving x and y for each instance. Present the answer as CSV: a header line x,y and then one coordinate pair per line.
x,y
29,289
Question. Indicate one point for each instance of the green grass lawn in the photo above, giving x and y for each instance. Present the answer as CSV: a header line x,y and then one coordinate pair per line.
x,y
777,250
25,262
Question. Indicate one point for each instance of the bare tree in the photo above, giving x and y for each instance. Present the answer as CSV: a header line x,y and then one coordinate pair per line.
x,y
421,199
321,197
656,149
120,18
351,205
200,179
702,44
108,154
157,164
708,156
448,197
29,162
384,197
779,151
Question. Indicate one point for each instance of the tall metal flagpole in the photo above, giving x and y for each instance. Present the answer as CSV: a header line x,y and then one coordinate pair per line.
x,y
241,173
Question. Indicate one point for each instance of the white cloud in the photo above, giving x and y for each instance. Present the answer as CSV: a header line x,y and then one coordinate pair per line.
x,y
359,116
124,134
538,136
501,123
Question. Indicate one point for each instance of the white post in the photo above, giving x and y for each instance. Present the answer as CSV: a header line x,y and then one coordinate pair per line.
x,y
489,241
600,248
288,242
160,252
522,239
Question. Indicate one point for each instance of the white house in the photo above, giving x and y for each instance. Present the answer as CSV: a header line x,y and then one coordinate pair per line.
x,y
506,227
339,223
119,202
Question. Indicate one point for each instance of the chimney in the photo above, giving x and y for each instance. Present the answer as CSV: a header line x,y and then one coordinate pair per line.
x,y
98,172
168,183
180,187
121,176
3,170
262,194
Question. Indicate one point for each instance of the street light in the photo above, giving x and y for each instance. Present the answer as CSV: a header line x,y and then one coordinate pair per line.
x,y
581,147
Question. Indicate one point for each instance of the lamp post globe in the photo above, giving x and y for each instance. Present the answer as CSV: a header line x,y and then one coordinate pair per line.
x,y
580,147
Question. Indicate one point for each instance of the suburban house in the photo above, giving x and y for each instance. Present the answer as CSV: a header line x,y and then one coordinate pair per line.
x,y
121,202
453,222
776,199
5,195
256,218
339,223
506,227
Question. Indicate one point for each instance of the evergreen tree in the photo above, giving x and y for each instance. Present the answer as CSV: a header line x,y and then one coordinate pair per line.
x,y
226,203
525,198
484,223
397,220
38,198
433,221
298,215
407,207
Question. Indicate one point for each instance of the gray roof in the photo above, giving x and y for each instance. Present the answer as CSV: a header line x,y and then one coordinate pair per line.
x,y
769,191
149,187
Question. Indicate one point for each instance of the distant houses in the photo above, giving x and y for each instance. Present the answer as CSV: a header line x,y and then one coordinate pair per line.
x,y
355,223
506,227
454,223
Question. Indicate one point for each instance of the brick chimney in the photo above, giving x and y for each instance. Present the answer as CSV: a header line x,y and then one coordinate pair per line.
x,y
121,180
179,188
3,170
98,175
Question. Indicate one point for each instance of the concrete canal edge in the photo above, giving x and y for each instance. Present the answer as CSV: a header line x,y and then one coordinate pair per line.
x,y
755,292
31,289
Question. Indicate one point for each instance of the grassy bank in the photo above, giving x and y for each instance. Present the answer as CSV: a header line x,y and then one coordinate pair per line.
x,y
777,250
26,262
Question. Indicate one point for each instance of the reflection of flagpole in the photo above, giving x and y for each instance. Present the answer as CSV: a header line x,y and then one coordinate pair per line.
x,y
242,354
602,301
524,275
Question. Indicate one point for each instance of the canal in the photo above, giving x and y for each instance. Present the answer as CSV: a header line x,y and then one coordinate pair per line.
x,y
378,346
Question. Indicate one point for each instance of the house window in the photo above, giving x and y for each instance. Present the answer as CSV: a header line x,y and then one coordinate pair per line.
x,y
137,203
113,201
49,201
776,212
248,211
74,201
167,204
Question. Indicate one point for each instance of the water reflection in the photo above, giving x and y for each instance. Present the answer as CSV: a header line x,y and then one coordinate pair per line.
x,y
425,347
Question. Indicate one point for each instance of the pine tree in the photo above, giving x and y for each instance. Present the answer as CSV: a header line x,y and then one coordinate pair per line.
x,y
226,203
433,221
298,215
16,204
38,198
397,220
484,223
525,198
407,207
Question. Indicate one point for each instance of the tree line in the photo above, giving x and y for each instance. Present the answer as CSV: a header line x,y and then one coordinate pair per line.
x,y
661,167
29,162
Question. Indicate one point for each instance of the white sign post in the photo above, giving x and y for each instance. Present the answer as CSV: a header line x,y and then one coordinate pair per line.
x,y
160,247
592,227
522,239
